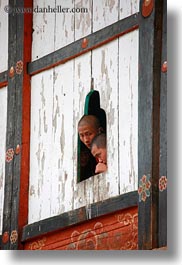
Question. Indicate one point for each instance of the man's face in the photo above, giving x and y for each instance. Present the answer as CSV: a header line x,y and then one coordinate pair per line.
x,y
100,154
87,133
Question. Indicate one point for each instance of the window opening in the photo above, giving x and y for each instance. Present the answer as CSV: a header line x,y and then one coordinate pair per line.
x,y
86,162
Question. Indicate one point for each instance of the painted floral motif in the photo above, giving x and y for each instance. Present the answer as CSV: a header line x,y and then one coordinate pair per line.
x,y
121,234
38,245
19,67
162,183
13,237
144,188
131,222
9,155
87,240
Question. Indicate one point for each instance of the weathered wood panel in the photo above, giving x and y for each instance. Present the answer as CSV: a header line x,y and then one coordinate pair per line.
x,y
84,45
116,231
163,137
128,111
82,84
3,118
105,74
73,20
51,146
14,129
54,30
150,52
127,8
83,20
80,215
62,140
58,98
41,145
64,25
43,29
104,13
3,36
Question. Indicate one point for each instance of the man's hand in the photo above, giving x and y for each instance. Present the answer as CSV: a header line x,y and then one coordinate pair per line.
x,y
100,168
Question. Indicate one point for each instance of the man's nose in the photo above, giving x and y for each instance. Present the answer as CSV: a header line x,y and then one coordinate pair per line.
x,y
86,139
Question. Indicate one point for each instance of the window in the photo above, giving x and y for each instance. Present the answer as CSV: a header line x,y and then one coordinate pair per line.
x,y
86,162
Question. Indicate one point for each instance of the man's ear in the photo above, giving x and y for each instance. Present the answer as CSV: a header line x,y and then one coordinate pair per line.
x,y
100,130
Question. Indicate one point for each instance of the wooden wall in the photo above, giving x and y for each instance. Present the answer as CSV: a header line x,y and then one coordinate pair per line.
x,y
57,103
3,101
117,231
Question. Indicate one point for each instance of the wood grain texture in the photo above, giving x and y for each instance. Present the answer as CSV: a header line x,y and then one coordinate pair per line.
x,y
75,49
8,191
79,215
117,231
163,139
105,74
58,98
128,111
127,8
105,13
3,101
3,36
43,30
82,82
14,127
41,145
149,124
83,21
25,146
64,25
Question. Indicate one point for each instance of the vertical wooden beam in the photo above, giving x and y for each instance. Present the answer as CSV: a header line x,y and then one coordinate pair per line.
x,y
10,133
26,101
14,128
150,42
163,138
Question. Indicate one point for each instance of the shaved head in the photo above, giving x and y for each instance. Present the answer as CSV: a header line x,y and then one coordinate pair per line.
x,y
99,140
88,128
90,120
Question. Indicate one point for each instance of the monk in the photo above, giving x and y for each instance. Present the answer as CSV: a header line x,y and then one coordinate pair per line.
x,y
88,127
99,151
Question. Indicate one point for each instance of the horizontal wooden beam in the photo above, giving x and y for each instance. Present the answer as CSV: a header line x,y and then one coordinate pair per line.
x,y
84,45
3,79
80,215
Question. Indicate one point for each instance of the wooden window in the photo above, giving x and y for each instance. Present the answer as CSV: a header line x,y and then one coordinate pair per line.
x,y
86,163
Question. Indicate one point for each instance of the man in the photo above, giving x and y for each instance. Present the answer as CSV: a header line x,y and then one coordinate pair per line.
x,y
98,150
88,128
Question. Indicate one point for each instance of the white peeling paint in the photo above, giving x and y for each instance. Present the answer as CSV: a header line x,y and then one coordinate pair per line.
x,y
3,122
58,97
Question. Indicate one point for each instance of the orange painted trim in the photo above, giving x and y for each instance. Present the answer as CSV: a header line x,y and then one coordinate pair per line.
x,y
116,231
3,84
26,101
